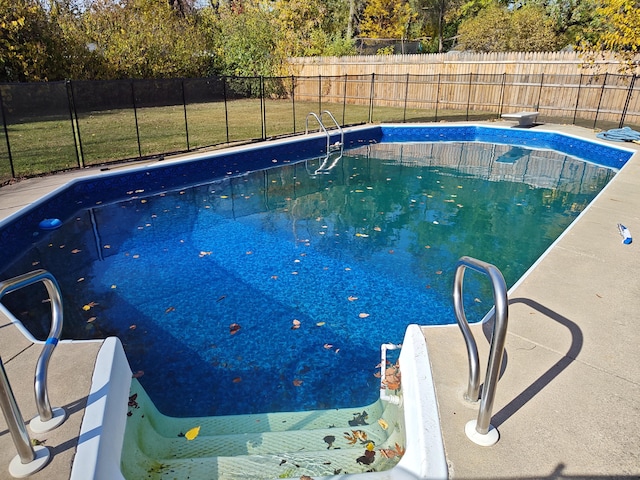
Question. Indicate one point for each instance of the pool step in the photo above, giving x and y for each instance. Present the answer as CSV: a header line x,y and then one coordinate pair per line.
x,y
261,446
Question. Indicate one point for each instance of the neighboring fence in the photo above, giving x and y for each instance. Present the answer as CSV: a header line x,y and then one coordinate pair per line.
x,y
55,126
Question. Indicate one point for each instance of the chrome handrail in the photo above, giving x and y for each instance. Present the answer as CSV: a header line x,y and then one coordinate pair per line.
x,y
480,430
323,168
48,418
14,420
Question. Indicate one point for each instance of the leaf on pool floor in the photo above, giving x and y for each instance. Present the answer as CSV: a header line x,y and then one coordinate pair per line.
x,y
368,457
170,309
234,328
138,374
297,382
383,423
296,324
132,327
193,433
76,250
89,306
81,279
363,315
351,298
329,439
320,324
237,380
328,346
91,320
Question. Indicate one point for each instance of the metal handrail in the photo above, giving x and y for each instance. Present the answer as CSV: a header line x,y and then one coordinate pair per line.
x,y
480,430
322,168
45,412
14,420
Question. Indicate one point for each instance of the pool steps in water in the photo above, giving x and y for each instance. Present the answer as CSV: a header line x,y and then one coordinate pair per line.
x,y
259,446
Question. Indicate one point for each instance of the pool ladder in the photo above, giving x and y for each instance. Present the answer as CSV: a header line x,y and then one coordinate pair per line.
x,y
481,431
328,163
32,459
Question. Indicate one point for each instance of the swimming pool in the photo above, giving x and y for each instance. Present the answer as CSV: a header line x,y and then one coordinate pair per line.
x,y
256,241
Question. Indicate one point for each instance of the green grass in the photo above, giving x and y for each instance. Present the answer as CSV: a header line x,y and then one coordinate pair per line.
x,y
106,136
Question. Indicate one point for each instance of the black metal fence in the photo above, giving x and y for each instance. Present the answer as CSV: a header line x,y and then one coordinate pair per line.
x,y
54,126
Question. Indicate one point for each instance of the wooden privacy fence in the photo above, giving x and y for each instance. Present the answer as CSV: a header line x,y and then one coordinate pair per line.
x,y
590,100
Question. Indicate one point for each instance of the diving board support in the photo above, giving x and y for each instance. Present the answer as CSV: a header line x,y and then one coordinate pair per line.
x,y
480,431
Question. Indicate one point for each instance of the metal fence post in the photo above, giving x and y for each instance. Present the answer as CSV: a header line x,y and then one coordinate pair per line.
x,y
604,82
263,114
627,100
502,88
406,94
575,110
344,99
469,95
226,110
293,101
319,94
75,126
373,81
135,117
437,98
184,106
540,92
6,136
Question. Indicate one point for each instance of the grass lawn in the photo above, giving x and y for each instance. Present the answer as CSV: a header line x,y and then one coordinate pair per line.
x,y
106,136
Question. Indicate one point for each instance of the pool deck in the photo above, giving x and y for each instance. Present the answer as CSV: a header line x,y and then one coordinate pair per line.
x,y
568,401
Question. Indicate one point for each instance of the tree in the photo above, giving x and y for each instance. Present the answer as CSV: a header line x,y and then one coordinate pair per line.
x,y
616,28
498,29
145,39
31,46
244,41
386,19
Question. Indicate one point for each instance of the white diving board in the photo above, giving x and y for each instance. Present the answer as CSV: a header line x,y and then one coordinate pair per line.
x,y
525,119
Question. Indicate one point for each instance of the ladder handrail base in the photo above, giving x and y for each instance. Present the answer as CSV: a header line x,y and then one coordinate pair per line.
x,y
18,469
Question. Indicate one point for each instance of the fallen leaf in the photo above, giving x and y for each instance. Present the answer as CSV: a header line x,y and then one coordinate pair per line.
x,y
76,250
91,320
320,324
138,374
296,324
193,433
107,246
363,315
132,327
237,380
329,439
233,328
81,279
439,272
297,382
328,346
170,309
113,287
382,422
351,298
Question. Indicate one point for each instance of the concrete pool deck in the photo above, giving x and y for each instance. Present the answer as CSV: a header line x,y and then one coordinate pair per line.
x,y
568,402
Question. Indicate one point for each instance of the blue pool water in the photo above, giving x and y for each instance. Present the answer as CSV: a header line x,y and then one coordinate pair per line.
x,y
273,290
